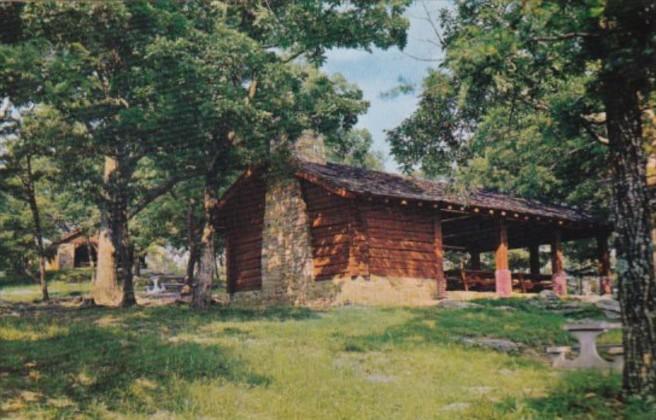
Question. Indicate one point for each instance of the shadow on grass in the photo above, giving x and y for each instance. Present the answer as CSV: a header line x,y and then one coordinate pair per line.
x,y
581,394
113,357
517,320
73,275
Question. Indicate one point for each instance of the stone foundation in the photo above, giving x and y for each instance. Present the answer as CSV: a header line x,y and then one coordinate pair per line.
x,y
375,290
385,291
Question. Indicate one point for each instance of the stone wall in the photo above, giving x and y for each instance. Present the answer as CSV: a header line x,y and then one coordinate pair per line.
x,y
286,247
376,290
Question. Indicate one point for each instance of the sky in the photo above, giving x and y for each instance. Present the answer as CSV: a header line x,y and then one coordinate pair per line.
x,y
379,72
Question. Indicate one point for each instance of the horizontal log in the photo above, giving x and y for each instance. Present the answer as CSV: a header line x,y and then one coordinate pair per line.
x,y
400,226
332,260
323,232
239,246
401,264
317,206
399,216
314,190
398,235
331,269
403,245
420,257
328,250
245,224
245,239
254,203
246,265
331,241
331,218
247,287
241,255
242,274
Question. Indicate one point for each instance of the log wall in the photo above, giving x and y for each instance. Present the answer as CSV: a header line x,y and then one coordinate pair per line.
x,y
358,238
244,215
400,241
330,228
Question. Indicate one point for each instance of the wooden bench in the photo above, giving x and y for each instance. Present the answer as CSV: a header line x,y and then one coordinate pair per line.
x,y
480,280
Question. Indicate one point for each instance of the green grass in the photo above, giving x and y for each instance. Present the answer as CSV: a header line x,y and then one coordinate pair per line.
x,y
61,284
351,362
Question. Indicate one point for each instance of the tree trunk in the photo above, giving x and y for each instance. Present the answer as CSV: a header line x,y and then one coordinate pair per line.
x,y
192,244
136,264
191,264
92,262
113,285
632,220
38,231
202,291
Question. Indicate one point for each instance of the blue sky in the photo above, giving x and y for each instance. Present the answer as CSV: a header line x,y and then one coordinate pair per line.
x,y
379,71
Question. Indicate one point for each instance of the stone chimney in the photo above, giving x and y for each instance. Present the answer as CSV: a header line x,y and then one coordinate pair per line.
x,y
310,147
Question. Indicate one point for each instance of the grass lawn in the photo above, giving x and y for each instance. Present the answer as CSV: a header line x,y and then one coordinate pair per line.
x,y
350,362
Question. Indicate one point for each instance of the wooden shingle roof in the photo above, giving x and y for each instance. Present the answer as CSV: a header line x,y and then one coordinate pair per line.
x,y
369,183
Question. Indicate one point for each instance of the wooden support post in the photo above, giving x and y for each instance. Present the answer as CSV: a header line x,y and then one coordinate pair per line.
x,y
534,259
439,256
558,275
502,274
475,261
604,265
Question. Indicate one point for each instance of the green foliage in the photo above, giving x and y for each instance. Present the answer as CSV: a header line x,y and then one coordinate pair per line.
x,y
505,113
354,148
516,105
30,176
175,90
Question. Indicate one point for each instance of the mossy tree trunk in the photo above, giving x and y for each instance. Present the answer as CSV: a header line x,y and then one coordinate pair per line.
x,y
113,285
202,290
632,219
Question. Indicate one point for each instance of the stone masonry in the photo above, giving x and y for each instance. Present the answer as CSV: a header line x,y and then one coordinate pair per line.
x,y
286,247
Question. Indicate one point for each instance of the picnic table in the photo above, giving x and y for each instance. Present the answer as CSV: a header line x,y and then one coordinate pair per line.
x,y
588,356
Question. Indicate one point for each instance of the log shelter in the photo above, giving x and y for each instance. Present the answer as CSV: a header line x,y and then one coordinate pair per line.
x,y
364,223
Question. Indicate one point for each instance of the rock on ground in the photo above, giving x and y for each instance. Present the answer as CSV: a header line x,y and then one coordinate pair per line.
x,y
457,304
610,307
498,344
549,295
457,406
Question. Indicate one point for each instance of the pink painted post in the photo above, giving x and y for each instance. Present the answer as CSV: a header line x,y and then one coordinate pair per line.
x,y
503,277
605,287
558,275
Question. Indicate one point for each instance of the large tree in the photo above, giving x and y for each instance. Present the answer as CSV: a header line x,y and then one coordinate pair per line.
x,y
157,84
554,81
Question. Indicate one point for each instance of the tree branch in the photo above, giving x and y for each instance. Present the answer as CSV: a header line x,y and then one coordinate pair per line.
x,y
597,137
563,37
155,192
414,57
429,18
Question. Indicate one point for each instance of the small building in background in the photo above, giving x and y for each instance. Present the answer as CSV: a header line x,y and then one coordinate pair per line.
x,y
72,251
